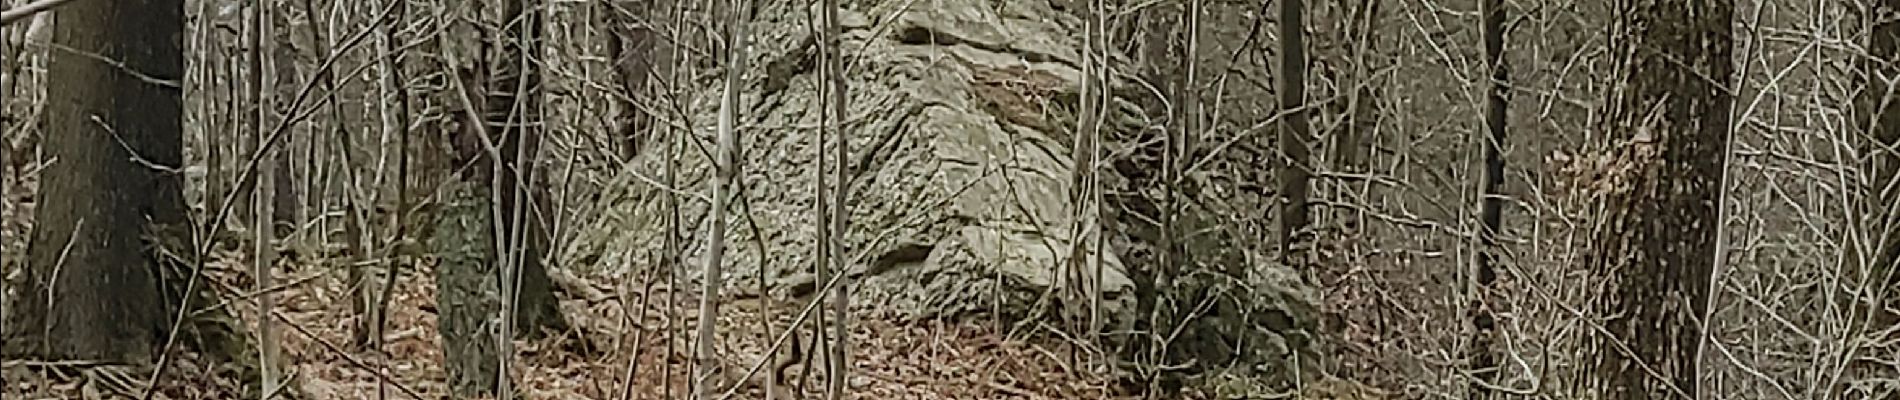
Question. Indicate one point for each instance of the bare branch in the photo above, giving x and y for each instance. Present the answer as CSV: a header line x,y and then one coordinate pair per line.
x,y
30,9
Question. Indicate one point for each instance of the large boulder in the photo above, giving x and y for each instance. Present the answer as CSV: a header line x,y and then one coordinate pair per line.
x,y
959,165
960,119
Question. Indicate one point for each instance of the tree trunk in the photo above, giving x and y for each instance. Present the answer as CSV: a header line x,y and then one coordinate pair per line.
x,y
95,282
1296,172
839,367
514,110
707,365
1491,206
495,226
468,287
1880,106
630,47
282,60
1353,147
1670,124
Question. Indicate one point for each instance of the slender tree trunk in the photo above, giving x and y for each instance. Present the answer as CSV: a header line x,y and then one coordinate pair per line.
x,y
839,367
215,122
393,66
679,67
706,358
514,110
1880,106
1670,124
1161,306
95,290
1491,205
1353,148
7,55
281,58
1297,171
630,47
270,176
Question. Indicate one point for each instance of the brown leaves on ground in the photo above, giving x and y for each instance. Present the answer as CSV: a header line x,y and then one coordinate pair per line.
x,y
891,359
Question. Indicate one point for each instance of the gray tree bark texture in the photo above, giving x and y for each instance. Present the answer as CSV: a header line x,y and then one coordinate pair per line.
x,y
468,289
475,241
1669,125
98,287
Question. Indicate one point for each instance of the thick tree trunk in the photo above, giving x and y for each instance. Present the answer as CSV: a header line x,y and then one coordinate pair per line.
x,y
514,110
468,289
95,281
1670,124
498,217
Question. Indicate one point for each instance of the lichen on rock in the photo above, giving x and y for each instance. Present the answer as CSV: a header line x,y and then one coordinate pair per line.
x,y
960,172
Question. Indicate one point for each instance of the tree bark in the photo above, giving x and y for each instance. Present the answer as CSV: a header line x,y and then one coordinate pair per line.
x,y
1353,146
514,110
1880,108
1670,123
1296,172
1491,206
468,287
495,226
630,47
282,61
95,283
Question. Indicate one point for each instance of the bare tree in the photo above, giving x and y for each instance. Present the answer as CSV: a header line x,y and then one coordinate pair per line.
x,y
1491,203
1351,149
393,70
514,110
706,358
672,247
1296,173
1670,125
491,233
630,47
277,71
837,367
268,224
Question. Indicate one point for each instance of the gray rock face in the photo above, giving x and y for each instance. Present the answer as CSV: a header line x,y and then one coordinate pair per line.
x,y
959,160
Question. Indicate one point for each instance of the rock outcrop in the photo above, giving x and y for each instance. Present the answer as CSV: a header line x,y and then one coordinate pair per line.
x,y
960,119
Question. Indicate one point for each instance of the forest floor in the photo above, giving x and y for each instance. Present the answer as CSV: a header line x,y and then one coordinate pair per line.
x,y
892,359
